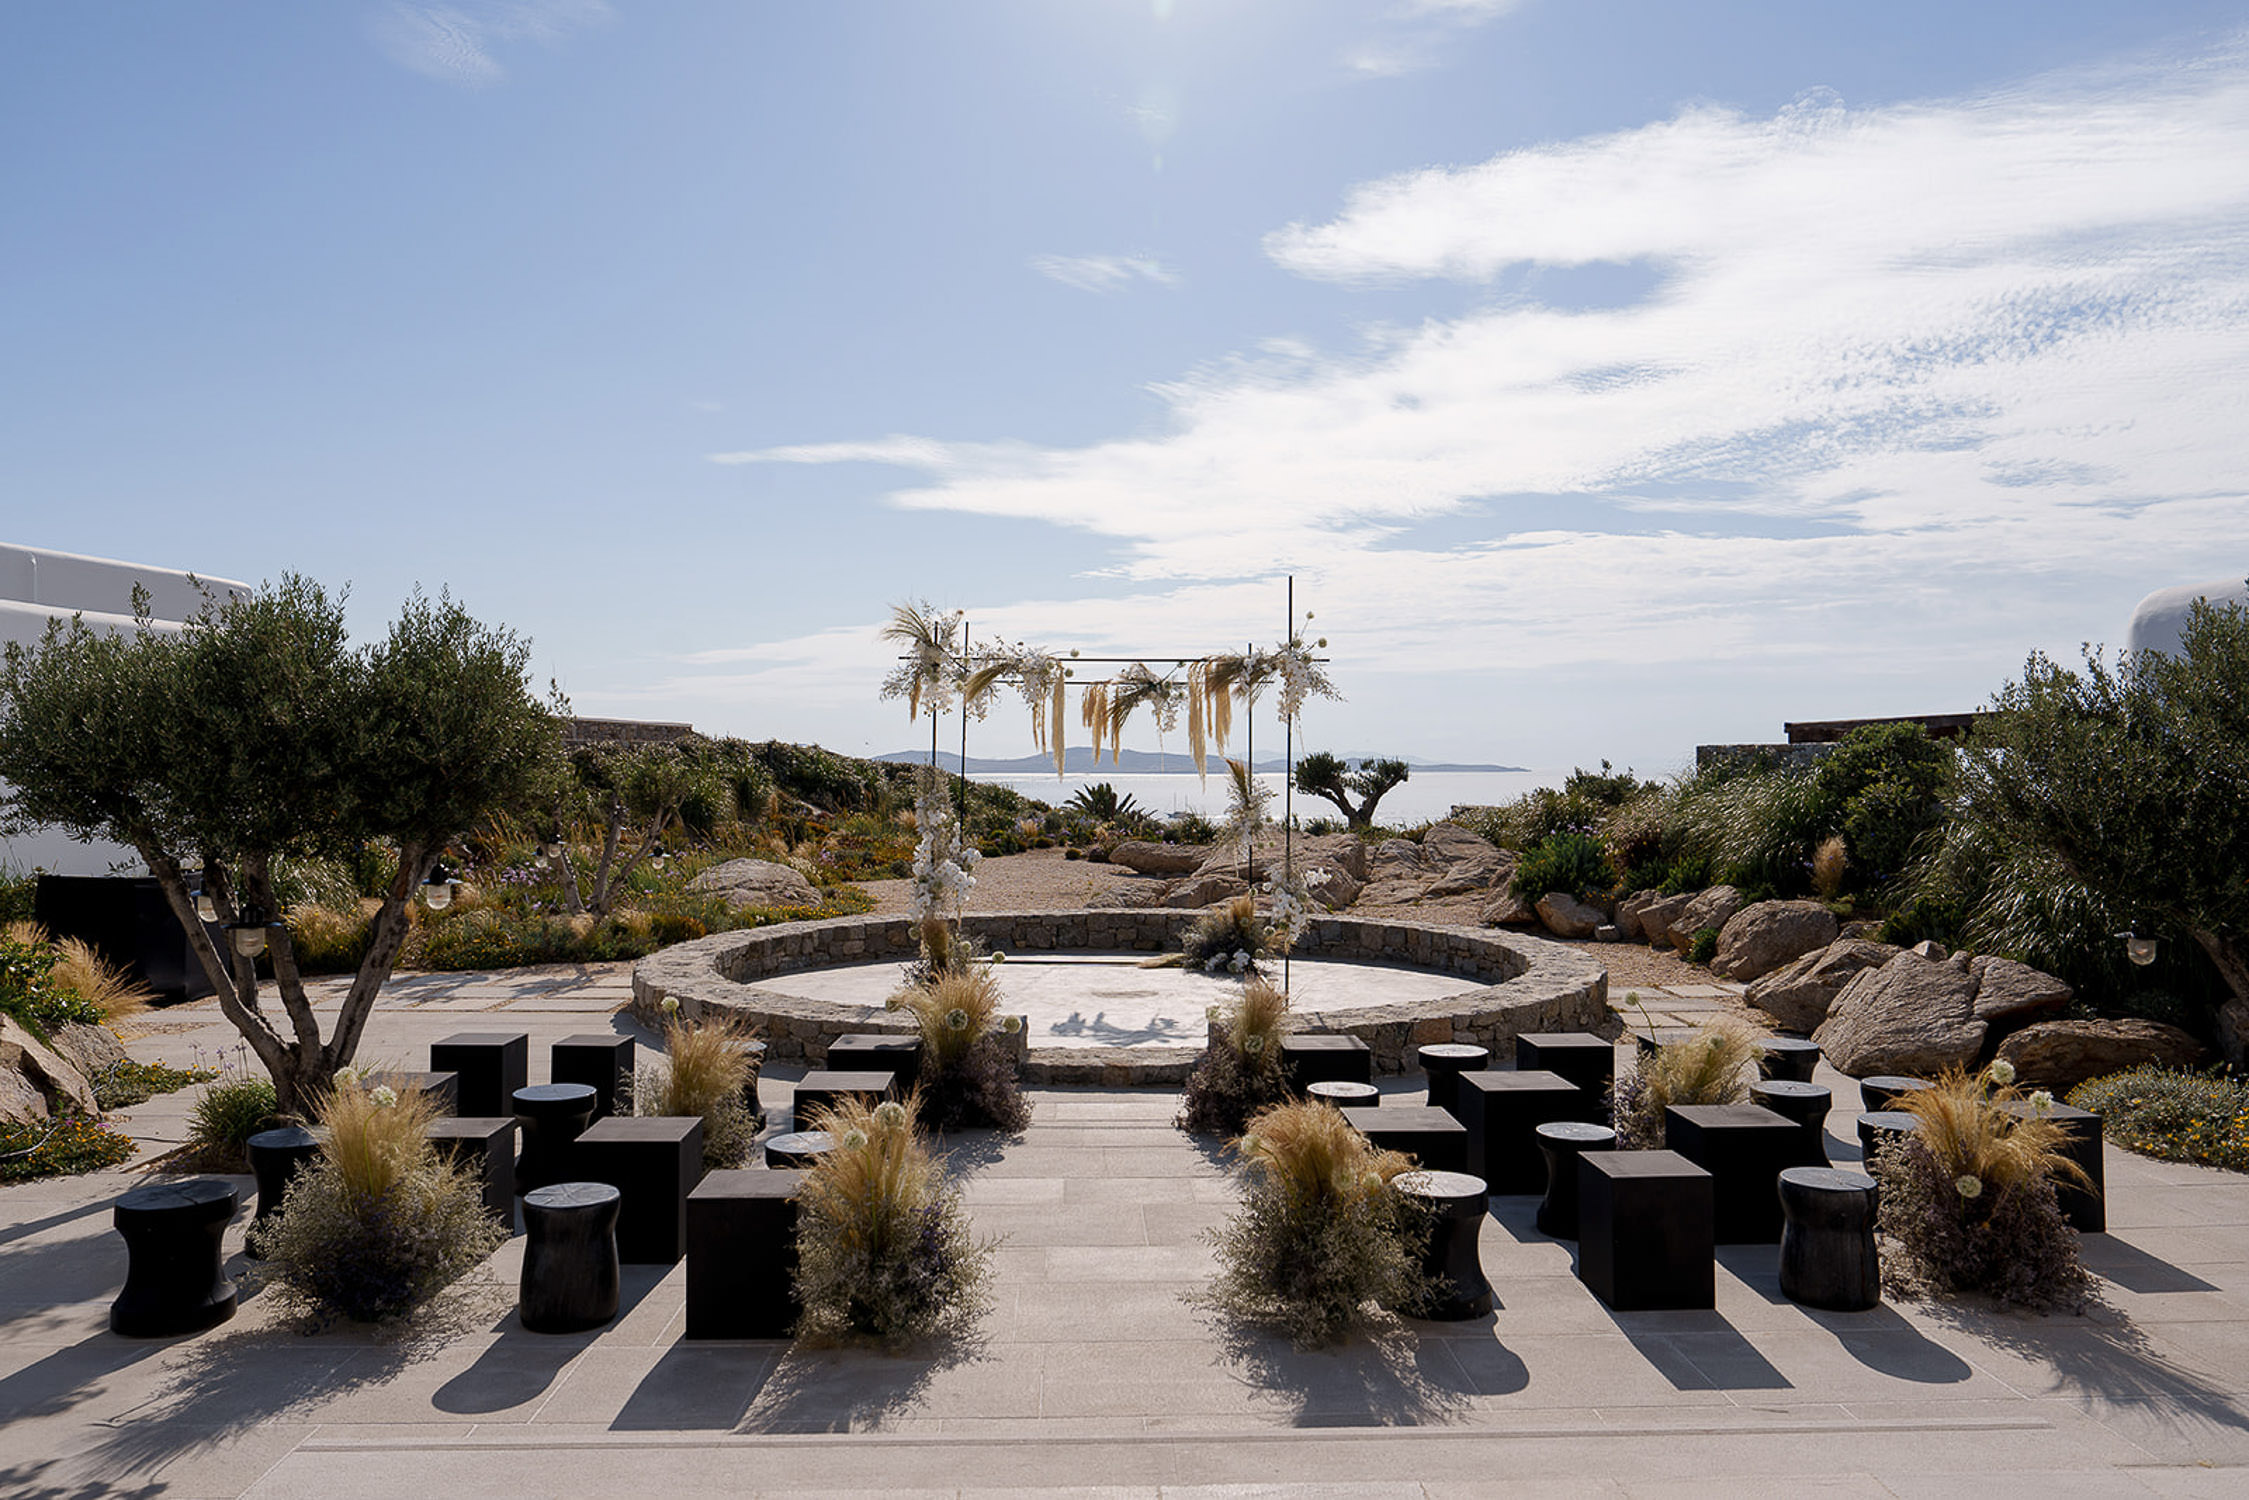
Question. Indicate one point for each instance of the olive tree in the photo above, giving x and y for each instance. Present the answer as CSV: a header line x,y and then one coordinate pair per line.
x,y
258,733
634,793
1324,775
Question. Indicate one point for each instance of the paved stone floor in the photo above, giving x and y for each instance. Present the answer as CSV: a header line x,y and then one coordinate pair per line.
x,y
1092,1377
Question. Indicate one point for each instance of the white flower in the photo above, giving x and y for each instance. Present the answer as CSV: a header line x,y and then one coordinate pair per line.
x,y
1253,1044
1214,962
2041,1101
999,955
347,1078
1251,1145
384,1096
855,1140
1239,962
1012,1025
890,1114
2002,1072
956,1019
1967,1185
671,1005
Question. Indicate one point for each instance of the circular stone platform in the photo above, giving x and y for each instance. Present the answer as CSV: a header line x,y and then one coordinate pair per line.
x,y
1398,985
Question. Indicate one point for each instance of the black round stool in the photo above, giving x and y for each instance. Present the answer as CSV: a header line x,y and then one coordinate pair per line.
x,y
276,1156
798,1150
1457,1204
1561,1142
1444,1062
174,1280
755,1051
1805,1103
1788,1057
1344,1094
570,1275
553,1116
1883,1125
1883,1091
1827,1254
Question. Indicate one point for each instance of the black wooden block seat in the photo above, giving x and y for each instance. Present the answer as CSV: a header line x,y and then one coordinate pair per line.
x,y
600,1060
174,1279
276,1157
570,1273
1432,1137
1792,1058
1344,1095
1583,1058
443,1089
1883,1125
1457,1203
742,1255
1644,1230
1501,1113
1882,1092
654,1161
491,1066
1744,1148
1308,1059
1805,1103
1827,1255
2085,1208
552,1117
1442,1063
796,1151
755,1050
484,1145
875,1052
1657,1038
825,1088
1562,1142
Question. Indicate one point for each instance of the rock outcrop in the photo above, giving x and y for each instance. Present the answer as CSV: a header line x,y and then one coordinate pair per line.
x,y
1628,912
1759,939
756,882
1713,909
1567,917
1797,995
1507,909
1911,1016
1148,857
36,1081
2060,1055
2010,995
1658,916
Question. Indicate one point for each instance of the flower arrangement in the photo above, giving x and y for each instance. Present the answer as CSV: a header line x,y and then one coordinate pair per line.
x,y
1240,1072
967,1074
1713,1067
710,1073
1968,1201
884,1252
943,875
1322,1235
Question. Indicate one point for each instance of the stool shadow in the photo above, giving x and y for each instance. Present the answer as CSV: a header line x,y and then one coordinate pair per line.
x,y
515,1369
2134,1269
700,1386
1391,1376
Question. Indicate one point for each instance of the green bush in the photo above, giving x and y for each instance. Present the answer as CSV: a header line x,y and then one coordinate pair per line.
x,y
1887,783
1756,829
29,993
16,897
230,1110
58,1148
131,1082
1704,946
1569,862
2172,1116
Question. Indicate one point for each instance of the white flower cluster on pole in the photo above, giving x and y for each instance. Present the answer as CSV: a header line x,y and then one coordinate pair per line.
x,y
944,869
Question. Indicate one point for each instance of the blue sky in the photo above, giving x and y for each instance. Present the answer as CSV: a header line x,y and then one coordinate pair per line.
x,y
1612,377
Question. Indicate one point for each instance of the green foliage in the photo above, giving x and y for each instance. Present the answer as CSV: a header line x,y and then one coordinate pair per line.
x,y
821,777
1756,829
131,1082
231,1109
1714,1066
2172,1116
1191,827
1888,782
1703,947
58,1148
17,894
1568,862
29,993
1103,802
1354,791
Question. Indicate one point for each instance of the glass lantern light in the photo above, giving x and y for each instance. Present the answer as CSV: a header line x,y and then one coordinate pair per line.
x,y
439,889
248,935
2140,950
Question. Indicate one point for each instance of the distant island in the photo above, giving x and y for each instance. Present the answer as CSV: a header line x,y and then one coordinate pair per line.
x,y
1078,761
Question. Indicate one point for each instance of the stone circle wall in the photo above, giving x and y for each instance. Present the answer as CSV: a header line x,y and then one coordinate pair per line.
x,y
1511,984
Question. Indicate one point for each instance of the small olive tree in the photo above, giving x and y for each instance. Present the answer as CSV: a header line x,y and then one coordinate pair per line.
x,y
1324,775
634,793
258,733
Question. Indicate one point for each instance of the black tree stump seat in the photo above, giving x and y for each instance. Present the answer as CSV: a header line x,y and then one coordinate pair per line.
x,y
1792,1058
1744,1147
1310,1059
1344,1095
798,1150
1883,1126
1562,1142
826,1088
484,1147
175,1282
276,1157
1881,1093
1827,1254
489,1066
2086,1208
1807,1104
1644,1230
570,1272
1457,1203
1432,1137
877,1052
654,1162
1442,1064
1583,1058
742,1255
552,1116
1501,1113
601,1061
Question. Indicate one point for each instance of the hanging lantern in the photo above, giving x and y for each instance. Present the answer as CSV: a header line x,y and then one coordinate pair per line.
x,y
248,935
440,888
2140,950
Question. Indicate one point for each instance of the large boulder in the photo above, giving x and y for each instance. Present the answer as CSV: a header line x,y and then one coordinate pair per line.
x,y
1628,912
1566,916
1395,859
1202,890
44,1083
1657,916
2060,1055
2010,995
756,882
1507,909
1797,995
1343,851
1758,939
1147,857
92,1050
1713,908
1910,1016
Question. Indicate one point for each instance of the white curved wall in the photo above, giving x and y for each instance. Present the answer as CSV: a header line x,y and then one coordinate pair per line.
x,y
2159,618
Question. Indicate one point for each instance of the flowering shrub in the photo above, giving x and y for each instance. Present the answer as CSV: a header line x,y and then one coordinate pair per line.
x,y
56,1147
236,1104
30,993
944,874
1240,1073
2173,1116
967,1072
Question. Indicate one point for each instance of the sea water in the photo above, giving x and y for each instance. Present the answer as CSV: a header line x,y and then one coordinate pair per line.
x,y
1427,796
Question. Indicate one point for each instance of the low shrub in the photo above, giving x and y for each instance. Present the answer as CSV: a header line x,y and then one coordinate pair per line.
x,y
2172,1116
710,1074
78,971
1322,1235
1714,1067
332,939
1229,939
1568,862
1703,946
59,1148
30,992
232,1108
967,1072
1240,1073
884,1252
131,1082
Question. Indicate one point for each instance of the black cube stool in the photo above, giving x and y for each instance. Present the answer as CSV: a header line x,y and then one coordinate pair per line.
x,y
1562,1142
824,1089
552,1116
796,1151
1805,1103
276,1156
1581,1057
742,1255
174,1281
1501,1113
1442,1063
1827,1255
1644,1230
1883,1091
601,1061
1344,1095
755,1051
490,1067
570,1273
1788,1057
1881,1126
654,1162
1456,1204
1744,1148
484,1147
1306,1060
1432,1137
2086,1208
443,1089
875,1052
1657,1038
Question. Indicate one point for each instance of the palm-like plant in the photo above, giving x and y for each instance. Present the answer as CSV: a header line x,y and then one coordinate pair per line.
x,y
1104,803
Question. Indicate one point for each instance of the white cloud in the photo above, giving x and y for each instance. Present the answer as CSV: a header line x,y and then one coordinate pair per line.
x,y
1418,32
455,43
1103,273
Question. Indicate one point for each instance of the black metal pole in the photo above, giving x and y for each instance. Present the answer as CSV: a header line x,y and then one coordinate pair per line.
x,y
1288,783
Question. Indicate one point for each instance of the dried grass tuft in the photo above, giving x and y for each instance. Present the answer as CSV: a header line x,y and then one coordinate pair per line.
x,y
1713,1067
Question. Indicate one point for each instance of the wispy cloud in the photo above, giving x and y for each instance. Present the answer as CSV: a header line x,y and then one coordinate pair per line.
x,y
1103,273
1415,35
457,43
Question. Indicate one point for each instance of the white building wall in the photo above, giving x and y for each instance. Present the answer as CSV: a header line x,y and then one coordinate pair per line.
x,y
2159,620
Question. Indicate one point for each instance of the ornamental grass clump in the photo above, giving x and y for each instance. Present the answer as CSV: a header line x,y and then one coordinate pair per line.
x,y
967,1072
81,972
1323,1236
379,1225
710,1073
1240,1072
2172,1115
884,1253
1715,1066
1968,1201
